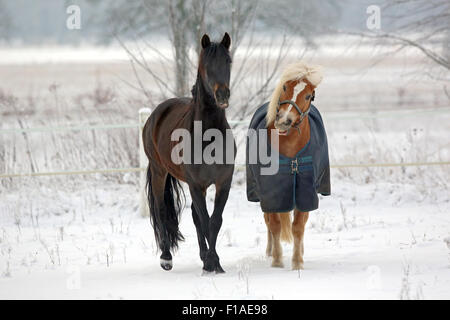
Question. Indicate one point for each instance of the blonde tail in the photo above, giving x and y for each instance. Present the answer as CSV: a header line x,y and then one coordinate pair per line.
x,y
286,227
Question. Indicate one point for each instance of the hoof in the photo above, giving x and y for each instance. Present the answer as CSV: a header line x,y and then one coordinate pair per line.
x,y
277,264
212,264
166,264
211,273
297,266
213,269
206,273
219,269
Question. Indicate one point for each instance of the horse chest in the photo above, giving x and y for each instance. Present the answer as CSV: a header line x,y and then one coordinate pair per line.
x,y
206,175
294,181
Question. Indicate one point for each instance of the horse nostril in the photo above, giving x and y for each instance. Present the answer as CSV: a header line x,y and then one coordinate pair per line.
x,y
288,122
223,93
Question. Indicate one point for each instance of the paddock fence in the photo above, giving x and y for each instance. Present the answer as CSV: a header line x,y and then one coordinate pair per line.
x,y
144,113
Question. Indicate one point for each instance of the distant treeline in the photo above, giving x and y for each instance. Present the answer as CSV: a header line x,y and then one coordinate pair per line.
x,y
44,21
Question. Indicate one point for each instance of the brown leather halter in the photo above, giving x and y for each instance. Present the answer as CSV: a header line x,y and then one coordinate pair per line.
x,y
302,114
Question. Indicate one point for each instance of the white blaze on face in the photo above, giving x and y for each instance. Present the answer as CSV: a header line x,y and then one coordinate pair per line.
x,y
284,116
297,89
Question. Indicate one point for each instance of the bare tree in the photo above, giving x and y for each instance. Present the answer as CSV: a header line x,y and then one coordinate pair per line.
x,y
423,25
306,19
420,24
5,22
179,20
190,19
186,22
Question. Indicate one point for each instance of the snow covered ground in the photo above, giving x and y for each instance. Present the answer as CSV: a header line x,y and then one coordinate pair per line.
x,y
384,233
366,241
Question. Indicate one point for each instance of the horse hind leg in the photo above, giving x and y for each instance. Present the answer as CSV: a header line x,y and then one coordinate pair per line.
x,y
161,205
269,236
298,230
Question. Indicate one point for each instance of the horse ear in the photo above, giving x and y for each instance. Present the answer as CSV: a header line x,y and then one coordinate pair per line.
x,y
205,41
226,41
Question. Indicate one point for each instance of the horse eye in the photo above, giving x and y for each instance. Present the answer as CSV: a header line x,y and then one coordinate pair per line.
x,y
307,97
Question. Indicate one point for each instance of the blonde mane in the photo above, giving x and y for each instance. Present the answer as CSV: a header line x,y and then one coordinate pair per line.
x,y
296,71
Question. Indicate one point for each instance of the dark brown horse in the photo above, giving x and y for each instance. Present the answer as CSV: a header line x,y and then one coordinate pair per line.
x,y
205,109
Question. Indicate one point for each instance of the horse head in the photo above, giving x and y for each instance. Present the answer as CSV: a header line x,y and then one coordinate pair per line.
x,y
214,69
294,105
292,98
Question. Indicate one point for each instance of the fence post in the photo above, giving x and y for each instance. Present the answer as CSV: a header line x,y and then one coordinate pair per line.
x,y
144,113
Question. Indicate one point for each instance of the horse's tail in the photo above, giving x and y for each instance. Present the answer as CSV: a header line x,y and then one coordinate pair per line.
x,y
286,227
166,223
173,198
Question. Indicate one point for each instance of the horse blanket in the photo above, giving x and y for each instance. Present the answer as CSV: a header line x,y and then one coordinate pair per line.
x,y
298,180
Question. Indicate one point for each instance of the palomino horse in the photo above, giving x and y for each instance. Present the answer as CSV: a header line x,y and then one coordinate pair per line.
x,y
206,109
303,161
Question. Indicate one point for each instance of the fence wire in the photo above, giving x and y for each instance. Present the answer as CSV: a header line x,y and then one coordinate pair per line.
x,y
344,115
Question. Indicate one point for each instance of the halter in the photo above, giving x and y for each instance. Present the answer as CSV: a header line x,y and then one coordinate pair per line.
x,y
302,114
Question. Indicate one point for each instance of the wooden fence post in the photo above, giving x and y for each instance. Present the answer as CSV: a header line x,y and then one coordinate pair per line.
x,y
144,113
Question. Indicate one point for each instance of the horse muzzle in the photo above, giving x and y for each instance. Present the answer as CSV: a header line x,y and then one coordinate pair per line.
x,y
222,94
282,129
222,105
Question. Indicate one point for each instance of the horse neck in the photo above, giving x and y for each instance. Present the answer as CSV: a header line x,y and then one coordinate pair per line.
x,y
296,140
205,108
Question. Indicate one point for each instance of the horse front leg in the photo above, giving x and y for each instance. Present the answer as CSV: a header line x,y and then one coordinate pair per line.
x,y
201,219
298,230
275,230
215,223
200,236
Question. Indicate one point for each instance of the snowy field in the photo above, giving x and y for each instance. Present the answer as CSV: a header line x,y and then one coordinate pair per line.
x,y
373,241
382,234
